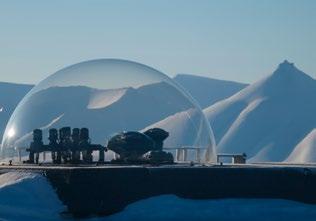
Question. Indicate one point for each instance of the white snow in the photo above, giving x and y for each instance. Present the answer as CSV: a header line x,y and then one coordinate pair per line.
x,y
180,124
103,98
28,196
187,128
267,119
305,151
206,90
105,113
11,178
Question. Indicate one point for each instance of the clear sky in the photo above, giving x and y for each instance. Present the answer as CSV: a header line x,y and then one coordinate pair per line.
x,y
237,40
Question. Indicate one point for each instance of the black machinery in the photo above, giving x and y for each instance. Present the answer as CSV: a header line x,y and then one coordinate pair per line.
x,y
136,147
67,146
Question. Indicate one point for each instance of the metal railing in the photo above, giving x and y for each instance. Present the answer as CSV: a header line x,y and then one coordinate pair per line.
x,y
181,153
235,158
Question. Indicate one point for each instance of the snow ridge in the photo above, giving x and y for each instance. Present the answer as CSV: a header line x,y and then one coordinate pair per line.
x,y
268,118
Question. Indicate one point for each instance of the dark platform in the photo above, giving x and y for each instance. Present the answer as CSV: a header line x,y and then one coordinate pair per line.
x,y
103,190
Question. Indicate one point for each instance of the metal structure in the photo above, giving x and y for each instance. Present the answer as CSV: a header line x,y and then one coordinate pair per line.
x,y
66,146
137,147
236,158
75,147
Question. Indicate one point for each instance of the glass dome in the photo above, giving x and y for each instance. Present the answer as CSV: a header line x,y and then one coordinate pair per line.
x,y
109,96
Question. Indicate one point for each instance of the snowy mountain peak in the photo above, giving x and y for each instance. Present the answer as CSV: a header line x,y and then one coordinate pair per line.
x,y
287,79
288,70
286,65
268,118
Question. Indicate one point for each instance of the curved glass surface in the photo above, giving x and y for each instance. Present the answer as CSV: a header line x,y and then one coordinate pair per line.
x,y
109,96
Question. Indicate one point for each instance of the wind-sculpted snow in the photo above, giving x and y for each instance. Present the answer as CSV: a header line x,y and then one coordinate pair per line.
x,y
305,151
188,130
103,98
28,196
185,129
267,119
206,90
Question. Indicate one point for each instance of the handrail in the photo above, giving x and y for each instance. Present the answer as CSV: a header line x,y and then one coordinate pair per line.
x,y
185,147
236,158
181,154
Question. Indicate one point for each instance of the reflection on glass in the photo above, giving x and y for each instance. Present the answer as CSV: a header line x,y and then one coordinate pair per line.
x,y
109,96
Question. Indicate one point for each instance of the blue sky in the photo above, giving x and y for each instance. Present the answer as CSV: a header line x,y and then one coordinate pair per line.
x,y
237,40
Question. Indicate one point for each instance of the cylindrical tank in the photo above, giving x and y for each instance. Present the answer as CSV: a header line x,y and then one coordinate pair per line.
x,y
53,135
84,134
37,135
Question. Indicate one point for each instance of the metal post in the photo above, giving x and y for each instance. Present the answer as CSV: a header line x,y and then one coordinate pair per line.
x,y
115,156
101,155
185,154
19,155
198,155
37,157
178,153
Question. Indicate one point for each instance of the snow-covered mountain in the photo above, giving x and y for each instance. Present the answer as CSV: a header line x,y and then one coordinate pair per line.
x,y
28,196
79,106
188,128
10,96
206,91
267,119
305,151
180,125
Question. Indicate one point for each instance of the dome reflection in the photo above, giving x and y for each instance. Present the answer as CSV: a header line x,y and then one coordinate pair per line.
x,y
109,96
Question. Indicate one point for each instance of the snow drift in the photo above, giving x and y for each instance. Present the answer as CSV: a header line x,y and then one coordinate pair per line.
x,y
28,196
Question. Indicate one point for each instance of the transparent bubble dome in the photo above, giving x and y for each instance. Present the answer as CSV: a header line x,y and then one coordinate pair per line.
x,y
109,96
